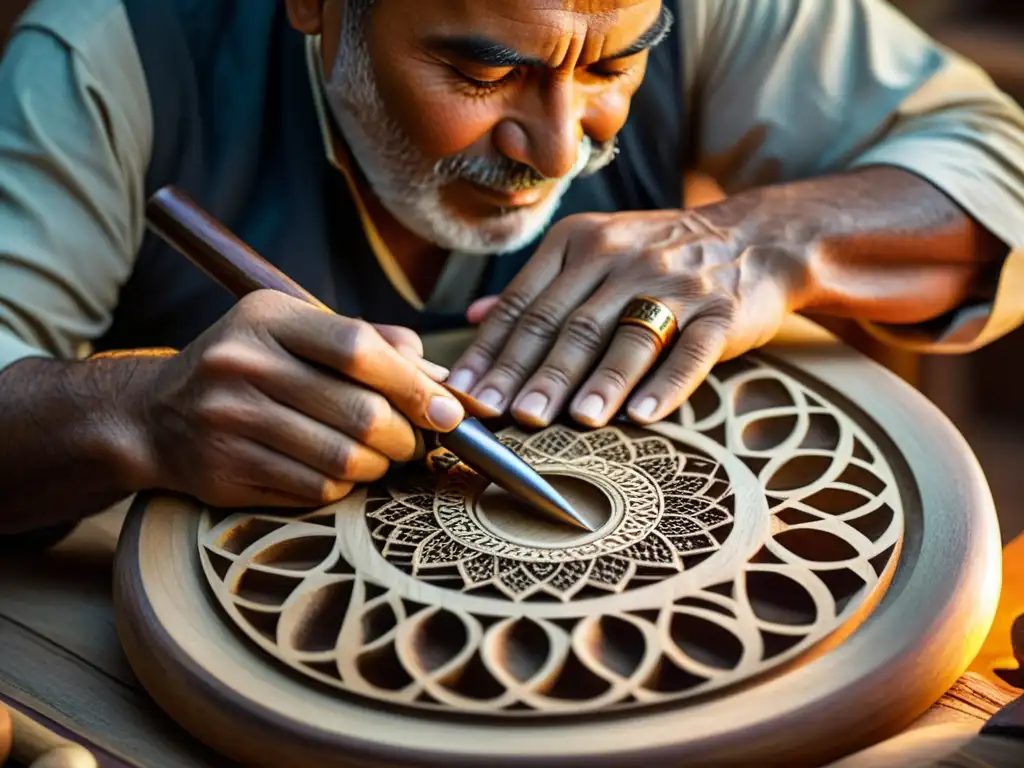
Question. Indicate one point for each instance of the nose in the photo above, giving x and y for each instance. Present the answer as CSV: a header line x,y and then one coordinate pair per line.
x,y
546,133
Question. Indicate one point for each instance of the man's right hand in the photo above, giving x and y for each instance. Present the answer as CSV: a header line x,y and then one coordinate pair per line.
x,y
282,404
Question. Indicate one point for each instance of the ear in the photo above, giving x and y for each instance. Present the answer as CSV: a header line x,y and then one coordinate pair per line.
x,y
306,15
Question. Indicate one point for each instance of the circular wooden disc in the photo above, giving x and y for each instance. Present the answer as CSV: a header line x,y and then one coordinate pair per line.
x,y
793,567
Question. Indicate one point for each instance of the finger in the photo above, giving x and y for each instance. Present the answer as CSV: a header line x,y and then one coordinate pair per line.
x,y
410,346
254,475
584,337
632,353
479,309
357,350
536,332
344,406
505,312
320,447
401,338
698,349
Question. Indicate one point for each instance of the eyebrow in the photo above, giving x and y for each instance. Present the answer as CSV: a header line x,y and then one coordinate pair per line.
x,y
653,35
483,50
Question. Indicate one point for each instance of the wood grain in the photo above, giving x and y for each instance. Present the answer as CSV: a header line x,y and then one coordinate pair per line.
x,y
60,655
948,735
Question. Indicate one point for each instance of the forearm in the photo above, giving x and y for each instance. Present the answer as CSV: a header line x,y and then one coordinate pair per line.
x,y
66,439
879,244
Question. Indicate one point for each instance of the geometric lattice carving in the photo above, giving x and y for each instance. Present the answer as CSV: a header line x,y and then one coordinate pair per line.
x,y
734,537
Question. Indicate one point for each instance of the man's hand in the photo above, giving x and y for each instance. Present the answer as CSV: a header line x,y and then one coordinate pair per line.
x,y
254,412
553,335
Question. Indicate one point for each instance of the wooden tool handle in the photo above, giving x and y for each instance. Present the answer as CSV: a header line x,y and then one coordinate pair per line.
x,y
210,246
36,746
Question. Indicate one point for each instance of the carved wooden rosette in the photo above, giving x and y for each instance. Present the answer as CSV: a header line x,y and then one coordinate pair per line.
x,y
764,564
728,546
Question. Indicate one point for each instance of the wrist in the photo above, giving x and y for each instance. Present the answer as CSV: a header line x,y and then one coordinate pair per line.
x,y
772,243
118,428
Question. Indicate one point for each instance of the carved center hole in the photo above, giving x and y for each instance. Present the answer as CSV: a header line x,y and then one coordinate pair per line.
x,y
514,520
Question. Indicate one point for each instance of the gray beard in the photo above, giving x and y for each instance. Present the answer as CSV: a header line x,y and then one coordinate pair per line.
x,y
410,186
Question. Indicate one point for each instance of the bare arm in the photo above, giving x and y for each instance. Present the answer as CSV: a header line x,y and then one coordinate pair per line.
x,y
879,244
65,450
851,86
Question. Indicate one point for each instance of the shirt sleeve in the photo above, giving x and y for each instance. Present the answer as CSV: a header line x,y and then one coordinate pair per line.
x,y
75,137
845,84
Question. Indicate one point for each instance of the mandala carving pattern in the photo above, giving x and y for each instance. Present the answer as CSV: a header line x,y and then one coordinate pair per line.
x,y
674,508
757,522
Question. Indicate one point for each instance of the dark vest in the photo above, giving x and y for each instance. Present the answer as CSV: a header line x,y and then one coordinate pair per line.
x,y
236,128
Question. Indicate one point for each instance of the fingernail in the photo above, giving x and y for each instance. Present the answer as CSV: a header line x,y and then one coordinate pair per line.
x,y
533,406
591,408
646,409
491,398
437,372
444,413
461,380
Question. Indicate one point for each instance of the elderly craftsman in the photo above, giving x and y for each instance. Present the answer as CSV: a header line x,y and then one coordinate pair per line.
x,y
425,164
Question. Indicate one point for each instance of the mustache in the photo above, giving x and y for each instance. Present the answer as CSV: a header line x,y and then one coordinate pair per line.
x,y
506,175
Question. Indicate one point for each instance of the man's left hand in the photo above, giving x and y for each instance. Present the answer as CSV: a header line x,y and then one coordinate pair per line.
x,y
553,336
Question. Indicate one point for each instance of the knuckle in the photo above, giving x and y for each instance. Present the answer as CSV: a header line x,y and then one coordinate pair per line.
x,y
402,336
259,306
364,414
228,357
510,367
697,348
584,331
602,239
555,374
659,262
331,491
678,379
216,411
614,378
351,340
410,339
509,308
481,354
541,320
420,394
479,357
339,457
641,339
720,312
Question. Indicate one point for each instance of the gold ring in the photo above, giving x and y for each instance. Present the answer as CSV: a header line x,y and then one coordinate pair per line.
x,y
653,315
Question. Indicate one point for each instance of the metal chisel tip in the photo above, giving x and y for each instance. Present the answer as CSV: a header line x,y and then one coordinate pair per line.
x,y
481,450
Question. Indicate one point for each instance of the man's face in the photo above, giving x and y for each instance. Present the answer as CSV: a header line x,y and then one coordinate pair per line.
x,y
469,118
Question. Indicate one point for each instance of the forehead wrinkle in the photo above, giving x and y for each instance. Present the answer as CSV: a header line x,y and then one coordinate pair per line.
x,y
562,33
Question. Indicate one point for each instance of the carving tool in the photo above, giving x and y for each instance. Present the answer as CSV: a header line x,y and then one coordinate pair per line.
x,y
238,268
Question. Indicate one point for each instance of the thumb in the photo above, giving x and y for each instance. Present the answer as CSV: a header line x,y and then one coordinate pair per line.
x,y
479,309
